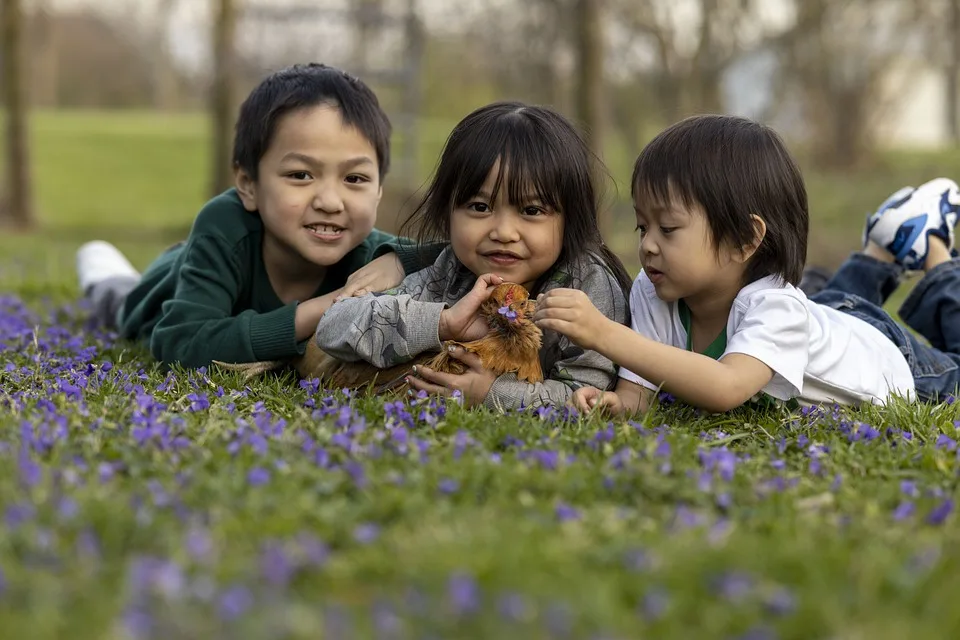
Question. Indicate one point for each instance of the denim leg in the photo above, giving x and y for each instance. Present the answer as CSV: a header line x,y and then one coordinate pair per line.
x,y
933,307
936,373
107,297
866,277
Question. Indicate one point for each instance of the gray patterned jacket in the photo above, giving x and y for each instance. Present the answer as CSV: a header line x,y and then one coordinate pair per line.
x,y
388,328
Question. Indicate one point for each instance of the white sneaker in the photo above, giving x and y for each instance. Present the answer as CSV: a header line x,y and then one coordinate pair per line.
x,y
905,220
99,260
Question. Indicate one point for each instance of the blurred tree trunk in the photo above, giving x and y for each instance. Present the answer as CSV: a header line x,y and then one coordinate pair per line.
x,y
164,79
19,210
46,76
367,16
953,72
589,83
222,98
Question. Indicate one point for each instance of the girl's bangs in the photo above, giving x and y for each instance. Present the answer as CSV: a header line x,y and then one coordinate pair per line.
x,y
527,165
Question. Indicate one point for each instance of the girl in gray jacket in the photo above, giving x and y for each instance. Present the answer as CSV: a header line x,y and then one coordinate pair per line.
x,y
514,197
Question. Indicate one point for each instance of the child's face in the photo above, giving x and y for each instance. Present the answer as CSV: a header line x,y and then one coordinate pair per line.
x,y
678,254
318,189
519,243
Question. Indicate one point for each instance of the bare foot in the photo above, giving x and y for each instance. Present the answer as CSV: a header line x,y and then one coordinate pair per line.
x,y
937,252
876,251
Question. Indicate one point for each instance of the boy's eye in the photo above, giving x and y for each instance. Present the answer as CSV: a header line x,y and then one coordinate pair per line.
x,y
667,230
355,179
641,228
299,175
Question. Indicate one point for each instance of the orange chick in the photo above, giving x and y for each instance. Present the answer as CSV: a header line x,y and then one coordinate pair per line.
x,y
512,345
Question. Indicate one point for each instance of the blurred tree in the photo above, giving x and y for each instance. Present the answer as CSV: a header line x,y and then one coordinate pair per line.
x,y
953,71
43,47
164,76
222,94
590,84
838,61
18,212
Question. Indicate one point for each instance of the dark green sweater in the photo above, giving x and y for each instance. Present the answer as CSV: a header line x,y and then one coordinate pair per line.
x,y
209,298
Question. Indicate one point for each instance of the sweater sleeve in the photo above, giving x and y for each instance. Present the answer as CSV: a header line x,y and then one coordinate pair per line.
x,y
413,256
386,329
575,367
197,324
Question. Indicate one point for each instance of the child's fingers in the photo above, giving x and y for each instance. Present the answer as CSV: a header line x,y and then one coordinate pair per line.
x,y
422,385
472,360
446,380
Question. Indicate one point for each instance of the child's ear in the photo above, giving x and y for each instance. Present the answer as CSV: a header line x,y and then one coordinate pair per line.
x,y
246,188
759,233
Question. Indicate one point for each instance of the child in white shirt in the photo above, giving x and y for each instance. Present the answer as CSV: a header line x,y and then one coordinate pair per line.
x,y
717,315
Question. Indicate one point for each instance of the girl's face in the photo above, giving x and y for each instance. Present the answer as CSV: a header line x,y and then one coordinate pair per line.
x,y
517,241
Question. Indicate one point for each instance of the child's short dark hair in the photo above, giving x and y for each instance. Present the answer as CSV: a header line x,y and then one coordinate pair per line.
x,y
303,86
732,167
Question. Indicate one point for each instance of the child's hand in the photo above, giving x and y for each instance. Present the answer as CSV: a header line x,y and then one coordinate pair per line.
x,y
587,399
474,385
461,322
381,274
570,312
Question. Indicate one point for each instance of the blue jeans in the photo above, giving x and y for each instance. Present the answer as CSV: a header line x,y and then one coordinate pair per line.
x,y
861,286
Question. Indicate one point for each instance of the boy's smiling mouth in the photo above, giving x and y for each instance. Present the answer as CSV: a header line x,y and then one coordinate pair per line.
x,y
323,231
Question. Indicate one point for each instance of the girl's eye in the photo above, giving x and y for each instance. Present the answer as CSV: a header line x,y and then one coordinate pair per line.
x,y
299,175
479,207
355,179
533,211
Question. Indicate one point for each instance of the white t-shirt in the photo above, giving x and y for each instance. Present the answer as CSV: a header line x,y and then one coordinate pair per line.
x,y
818,354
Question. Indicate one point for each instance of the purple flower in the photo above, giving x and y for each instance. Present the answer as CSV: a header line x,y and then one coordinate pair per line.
x,y
258,476
508,313
904,510
565,512
464,594
512,607
234,601
940,513
448,486
654,603
366,533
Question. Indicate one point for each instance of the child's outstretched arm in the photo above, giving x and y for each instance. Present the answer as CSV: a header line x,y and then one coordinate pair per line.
x,y
396,326
572,366
197,325
698,380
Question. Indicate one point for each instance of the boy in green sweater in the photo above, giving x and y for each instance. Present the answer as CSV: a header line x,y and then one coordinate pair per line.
x,y
266,258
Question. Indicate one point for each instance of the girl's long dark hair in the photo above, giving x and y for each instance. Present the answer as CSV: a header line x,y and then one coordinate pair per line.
x,y
543,154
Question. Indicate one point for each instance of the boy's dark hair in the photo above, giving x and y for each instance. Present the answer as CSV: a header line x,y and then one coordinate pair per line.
x,y
303,86
732,167
543,155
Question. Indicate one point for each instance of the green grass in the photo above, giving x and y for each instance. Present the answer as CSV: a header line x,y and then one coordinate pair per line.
x,y
135,503
681,525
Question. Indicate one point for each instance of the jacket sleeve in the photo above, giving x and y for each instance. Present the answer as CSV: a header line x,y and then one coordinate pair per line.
x,y
413,256
386,329
575,367
197,324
